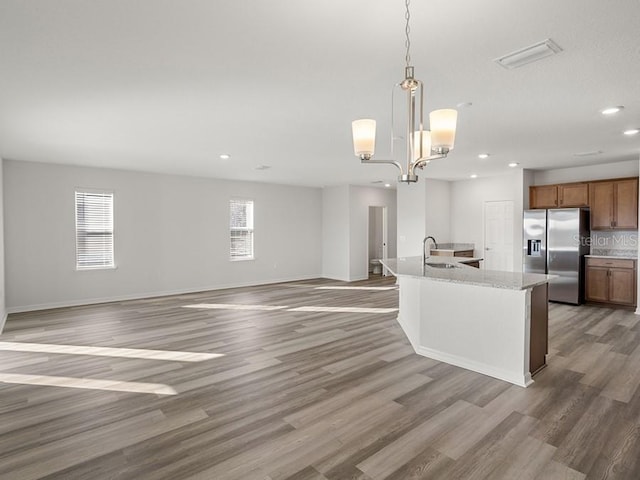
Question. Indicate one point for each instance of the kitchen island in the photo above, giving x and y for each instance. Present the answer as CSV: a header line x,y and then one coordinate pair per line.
x,y
491,322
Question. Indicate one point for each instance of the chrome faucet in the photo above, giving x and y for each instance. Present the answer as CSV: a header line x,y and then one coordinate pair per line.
x,y
424,248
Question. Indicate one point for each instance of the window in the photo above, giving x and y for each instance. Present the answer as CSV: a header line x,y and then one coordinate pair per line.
x,y
241,229
94,230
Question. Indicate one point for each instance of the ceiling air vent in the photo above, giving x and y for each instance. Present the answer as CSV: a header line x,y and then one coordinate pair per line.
x,y
588,154
529,54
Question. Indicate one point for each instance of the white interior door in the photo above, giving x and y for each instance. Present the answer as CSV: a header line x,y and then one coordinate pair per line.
x,y
498,235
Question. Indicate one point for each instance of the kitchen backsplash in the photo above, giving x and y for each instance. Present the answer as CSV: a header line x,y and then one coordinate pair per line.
x,y
615,243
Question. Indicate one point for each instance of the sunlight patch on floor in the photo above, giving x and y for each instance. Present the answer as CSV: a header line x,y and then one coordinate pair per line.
x,y
87,383
221,306
344,309
225,306
356,288
170,355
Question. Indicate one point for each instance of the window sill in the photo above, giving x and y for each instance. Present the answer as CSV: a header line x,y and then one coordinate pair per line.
x,y
245,259
93,269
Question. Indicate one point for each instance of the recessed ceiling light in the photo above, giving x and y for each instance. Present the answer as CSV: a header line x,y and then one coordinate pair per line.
x,y
225,156
474,175
611,110
514,164
632,131
483,155
387,185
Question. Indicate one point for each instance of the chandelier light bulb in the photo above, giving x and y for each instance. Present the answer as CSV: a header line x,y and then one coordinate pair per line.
x,y
443,128
364,137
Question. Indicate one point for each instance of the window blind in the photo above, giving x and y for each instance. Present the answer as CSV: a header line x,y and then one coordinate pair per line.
x,y
94,230
241,229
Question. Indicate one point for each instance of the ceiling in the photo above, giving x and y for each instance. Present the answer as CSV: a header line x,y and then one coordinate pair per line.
x,y
167,86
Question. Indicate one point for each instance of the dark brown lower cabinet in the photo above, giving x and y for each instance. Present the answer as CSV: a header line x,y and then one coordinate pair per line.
x,y
539,334
611,281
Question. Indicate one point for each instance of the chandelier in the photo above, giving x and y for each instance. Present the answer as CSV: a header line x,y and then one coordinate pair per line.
x,y
422,145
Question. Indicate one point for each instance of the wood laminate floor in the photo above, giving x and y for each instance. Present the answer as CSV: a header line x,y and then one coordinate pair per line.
x,y
297,382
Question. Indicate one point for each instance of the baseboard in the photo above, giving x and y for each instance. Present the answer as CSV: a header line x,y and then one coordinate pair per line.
x,y
358,278
348,279
333,277
520,380
139,296
408,336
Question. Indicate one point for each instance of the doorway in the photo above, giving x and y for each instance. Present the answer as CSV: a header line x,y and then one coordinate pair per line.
x,y
378,240
498,235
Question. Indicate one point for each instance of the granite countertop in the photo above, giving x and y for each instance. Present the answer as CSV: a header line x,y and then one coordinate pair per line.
x,y
453,246
412,267
622,257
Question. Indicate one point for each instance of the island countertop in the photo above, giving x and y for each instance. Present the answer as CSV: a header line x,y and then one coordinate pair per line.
x,y
412,267
614,257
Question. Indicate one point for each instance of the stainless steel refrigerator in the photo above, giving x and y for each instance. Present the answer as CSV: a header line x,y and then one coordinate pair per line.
x,y
555,242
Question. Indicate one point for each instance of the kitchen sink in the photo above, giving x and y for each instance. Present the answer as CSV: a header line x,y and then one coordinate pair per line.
x,y
441,265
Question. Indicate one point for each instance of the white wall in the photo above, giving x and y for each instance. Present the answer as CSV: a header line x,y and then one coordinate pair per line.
x,y
467,209
412,201
423,209
335,232
438,210
171,235
3,310
592,172
360,199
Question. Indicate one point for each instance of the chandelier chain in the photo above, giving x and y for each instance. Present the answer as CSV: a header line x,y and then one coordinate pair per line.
x,y
407,30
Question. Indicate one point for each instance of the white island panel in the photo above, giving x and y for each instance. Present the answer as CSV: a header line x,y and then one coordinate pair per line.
x,y
479,320
451,323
